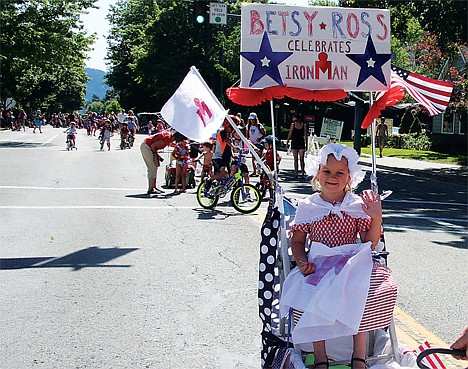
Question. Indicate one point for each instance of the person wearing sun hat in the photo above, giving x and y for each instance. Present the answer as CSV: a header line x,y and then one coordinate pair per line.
x,y
222,153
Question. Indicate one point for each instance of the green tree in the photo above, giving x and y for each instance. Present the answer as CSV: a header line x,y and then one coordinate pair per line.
x,y
43,51
113,106
416,125
154,44
127,44
406,122
96,107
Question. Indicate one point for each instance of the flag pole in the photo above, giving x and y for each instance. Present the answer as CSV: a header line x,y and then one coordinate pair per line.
x,y
373,176
248,144
273,128
233,125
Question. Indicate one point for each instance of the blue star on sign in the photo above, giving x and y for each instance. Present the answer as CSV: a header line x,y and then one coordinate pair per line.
x,y
371,63
266,62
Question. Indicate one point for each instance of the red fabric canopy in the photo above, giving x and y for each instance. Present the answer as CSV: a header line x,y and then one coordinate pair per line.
x,y
389,98
251,97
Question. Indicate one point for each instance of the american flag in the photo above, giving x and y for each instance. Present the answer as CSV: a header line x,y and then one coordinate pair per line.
x,y
432,361
433,94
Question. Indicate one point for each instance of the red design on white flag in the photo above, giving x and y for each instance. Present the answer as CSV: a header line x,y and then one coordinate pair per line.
x,y
432,360
202,110
433,94
194,110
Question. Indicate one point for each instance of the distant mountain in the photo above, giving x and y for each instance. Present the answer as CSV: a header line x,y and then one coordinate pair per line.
x,y
95,85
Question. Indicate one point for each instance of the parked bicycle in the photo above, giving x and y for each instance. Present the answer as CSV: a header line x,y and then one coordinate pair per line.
x,y
245,197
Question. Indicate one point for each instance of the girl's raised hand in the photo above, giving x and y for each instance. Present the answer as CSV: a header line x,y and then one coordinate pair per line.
x,y
306,268
372,205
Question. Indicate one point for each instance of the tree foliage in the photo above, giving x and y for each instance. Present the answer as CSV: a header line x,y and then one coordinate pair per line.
x,y
153,44
43,52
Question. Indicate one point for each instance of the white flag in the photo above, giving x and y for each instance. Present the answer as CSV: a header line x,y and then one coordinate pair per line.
x,y
193,110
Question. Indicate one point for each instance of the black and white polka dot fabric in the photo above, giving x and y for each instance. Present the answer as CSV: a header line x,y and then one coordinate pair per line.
x,y
269,283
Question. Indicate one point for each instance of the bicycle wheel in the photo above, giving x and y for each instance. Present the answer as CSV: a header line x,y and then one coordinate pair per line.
x,y
206,200
246,199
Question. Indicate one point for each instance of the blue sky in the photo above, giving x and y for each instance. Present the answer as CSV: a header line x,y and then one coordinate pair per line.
x,y
95,22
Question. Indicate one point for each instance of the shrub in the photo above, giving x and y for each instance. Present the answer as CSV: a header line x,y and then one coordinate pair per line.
x,y
396,141
417,141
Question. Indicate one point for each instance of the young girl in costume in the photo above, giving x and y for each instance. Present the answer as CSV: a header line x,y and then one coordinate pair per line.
x,y
336,289
182,155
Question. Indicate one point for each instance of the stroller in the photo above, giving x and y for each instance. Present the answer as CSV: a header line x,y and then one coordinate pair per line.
x,y
171,175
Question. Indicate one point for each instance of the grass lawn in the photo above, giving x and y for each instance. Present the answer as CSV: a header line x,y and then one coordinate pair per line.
x,y
437,157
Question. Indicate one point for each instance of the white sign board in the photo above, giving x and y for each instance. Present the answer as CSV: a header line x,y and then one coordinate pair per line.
x,y
218,13
331,128
318,48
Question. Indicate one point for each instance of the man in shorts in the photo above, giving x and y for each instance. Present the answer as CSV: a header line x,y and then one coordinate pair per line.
x,y
381,134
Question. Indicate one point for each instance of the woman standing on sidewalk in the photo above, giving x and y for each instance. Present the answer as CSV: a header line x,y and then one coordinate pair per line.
x,y
298,137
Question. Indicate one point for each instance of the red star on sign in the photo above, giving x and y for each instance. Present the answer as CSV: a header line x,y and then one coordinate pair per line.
x,y
322,25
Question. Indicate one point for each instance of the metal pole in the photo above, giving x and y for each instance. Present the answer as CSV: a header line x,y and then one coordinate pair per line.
x,y
273,127
249,145
373,176
357,125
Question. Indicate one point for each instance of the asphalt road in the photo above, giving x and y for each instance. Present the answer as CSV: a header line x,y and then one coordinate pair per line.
x,y
94,274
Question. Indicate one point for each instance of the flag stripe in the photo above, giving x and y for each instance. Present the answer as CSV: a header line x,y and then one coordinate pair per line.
x,y
417,96
433,94
432,361
431,91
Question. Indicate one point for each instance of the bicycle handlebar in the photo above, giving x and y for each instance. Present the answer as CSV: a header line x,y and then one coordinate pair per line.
x,y
436,350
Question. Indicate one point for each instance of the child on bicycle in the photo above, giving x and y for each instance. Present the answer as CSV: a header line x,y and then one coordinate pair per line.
x,y
71,135
268,156
239,147
222,154
124,132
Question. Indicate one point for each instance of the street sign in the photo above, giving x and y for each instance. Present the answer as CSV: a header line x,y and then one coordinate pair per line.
x,y
218,13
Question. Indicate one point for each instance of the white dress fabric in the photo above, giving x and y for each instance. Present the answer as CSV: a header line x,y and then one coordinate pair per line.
x,y
334,297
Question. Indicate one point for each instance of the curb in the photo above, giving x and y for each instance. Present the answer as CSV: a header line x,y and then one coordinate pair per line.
x,y
412,334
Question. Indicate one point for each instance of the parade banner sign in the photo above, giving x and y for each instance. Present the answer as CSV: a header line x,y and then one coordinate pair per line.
x,y
317,48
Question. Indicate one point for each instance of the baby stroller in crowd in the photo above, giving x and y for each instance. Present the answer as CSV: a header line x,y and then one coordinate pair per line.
x,y
171,175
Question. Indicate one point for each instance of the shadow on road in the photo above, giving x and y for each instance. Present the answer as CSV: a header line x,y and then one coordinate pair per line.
x,y
216,214
462,243
23,145
90,257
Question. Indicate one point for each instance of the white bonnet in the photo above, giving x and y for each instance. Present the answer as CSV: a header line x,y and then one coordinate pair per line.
x,y
338,150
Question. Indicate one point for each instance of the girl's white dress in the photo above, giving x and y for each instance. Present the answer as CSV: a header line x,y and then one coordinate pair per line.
x,y
348,293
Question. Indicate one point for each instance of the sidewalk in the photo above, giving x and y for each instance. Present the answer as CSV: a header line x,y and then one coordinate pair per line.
x,y
439,171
